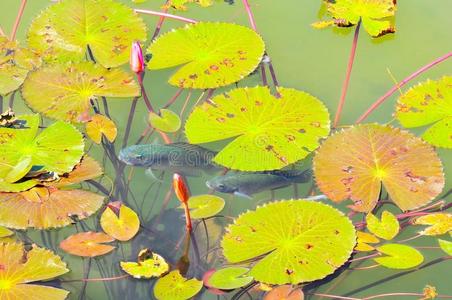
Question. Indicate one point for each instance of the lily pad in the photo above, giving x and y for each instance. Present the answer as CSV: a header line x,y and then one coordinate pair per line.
x,y
297,240
99,126
149,265
106,26
386,228
204,206
364,239
182,4
211,54
21,267
399,256
269,132
88,168
5,232
15,63
230,278
64,91
286,292
122,224
87,244
429,103
446,246
167,121
440,223
354,163
175,287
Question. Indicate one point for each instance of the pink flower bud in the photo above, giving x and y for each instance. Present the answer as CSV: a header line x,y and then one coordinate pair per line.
x,y
136,58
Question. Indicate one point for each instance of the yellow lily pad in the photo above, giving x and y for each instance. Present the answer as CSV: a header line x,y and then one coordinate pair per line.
x,y
149,265
99,126
122,224
440,223
386,228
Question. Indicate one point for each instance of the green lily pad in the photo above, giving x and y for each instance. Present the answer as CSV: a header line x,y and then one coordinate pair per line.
x,y
297,240
167,121
446,246
106,26
15,63
270,133
211,54
5,232
399,256
429,103
387,228
204,206
63,92
230,278
376,15
175,287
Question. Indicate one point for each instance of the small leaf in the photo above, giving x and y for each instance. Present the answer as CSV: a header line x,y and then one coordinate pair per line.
x,y
87,244
387,228
364,239
175,287
230,278
285,292
399,256
181,4
167,121
204,206
446,246
101,125
149,265
441,223
122,226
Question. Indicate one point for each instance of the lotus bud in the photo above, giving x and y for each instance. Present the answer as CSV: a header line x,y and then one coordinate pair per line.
x,y
136,58
180,188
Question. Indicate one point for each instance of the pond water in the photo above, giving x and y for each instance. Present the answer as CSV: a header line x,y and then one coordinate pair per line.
x,y
304,58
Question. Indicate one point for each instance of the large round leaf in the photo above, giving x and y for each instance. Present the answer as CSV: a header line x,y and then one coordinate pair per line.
x,y
269,132
65,30
429,103
297,240
354,163
175,287
87,244
211,54
64,91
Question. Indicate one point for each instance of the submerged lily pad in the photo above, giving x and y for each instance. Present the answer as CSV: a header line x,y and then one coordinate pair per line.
x,y
106,26
21,267
15,63
211,54
175,287
354,163
87,244
64,91
440,223
230,278
297,240
149,265
167,121
122,224
386,228
99,126
270,133
399,256
429,103
204,206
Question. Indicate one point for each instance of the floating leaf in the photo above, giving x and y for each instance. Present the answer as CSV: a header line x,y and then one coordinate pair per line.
x,y
167,121
123,225
429,103
149,265
64,91
441,223
5,232
21,267
387,228
446,246
15,63
354,163
87,244
99,126
374,14
175,287
87,169
364,239
285,292
297,240
399,256
106,26
230,278
204,206
211,54
182,4
270,133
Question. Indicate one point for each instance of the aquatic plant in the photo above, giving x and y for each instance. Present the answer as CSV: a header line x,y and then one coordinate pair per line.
x,y
64,188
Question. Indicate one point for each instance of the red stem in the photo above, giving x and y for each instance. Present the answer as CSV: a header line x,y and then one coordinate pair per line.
x,y
399,85
144,94
18,18
97,279
250,14
351,59
188,223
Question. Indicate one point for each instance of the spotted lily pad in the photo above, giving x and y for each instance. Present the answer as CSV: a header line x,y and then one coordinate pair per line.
x,y
15,63
386,228
166,121
446,246
87,244
270,133
230,278
354,163
20,268
121,224
429,103
175,287
399,256
99,126
64,91
149,265
376,15
440,223
211,54
204,206
106,26
297,240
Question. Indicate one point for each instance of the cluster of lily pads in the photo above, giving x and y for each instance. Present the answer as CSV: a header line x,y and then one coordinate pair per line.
x,y
74,60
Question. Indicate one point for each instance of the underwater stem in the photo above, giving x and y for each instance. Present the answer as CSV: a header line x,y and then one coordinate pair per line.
x,y
332,296
164,15
351,59
174,98
144,94
96,279
399,85
402,294
129,122
18,18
